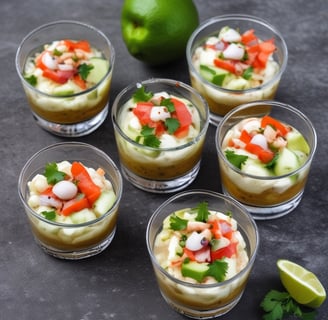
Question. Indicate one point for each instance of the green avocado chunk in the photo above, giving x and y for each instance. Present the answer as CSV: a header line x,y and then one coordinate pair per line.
x,y
194,270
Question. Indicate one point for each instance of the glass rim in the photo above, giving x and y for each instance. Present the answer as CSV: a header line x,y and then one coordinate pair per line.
x,y
243,17
171,82
118,190
244,211
286,106
20,70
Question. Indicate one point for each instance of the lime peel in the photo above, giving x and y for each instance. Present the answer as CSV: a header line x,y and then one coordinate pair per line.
x,y
303,285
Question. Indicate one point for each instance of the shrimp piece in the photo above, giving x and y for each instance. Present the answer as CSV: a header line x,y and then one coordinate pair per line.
x,y
197,226
270,134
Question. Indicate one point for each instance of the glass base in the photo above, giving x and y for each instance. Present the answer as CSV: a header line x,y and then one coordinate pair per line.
x,y
215,119
273,212
202,314
161,186
77,254
73,130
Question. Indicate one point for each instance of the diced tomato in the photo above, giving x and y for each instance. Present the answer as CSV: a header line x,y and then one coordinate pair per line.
x,y
58,76
85,183
159,128
79,81
226,229
216,229
227,252
182,113
189,254
82,45
248,36
225,64
264,155
38,61
245,137
74,205
181,132
276,124
142,112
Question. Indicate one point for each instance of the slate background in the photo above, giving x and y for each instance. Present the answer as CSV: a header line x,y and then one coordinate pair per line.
x,y
119,283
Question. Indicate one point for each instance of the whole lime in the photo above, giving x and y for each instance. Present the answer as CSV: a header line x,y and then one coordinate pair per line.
x,y
157,31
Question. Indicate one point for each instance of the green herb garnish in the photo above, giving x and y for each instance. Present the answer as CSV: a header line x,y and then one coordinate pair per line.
x,y
279,304
172,125
272,163
236,159
142,95
84,70
177,223
57,53
218,269
168,104
52,174
32,80
202,212
49,215
148,138
247,74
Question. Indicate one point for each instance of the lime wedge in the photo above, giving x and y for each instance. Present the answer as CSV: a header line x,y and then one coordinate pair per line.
x,y
302,284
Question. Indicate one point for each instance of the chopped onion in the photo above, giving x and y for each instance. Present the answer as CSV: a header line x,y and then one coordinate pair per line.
x,y
260,140
234,51
194,242
49,61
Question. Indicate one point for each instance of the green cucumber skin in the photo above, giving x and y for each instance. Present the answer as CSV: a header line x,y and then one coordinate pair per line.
x,y
195,270
105,202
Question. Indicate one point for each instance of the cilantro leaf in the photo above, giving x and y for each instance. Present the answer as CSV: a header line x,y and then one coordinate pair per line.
x,y
142,95
84,70
172,125
272,163
177,223
50,215
52,174
236,159
168,104
148,137
32,80
247,74
202,212
279,304
218,269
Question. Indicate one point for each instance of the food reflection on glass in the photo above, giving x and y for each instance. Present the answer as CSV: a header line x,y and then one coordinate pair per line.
x,y
201,255
72,208
235,59
66,75
160,127
265,159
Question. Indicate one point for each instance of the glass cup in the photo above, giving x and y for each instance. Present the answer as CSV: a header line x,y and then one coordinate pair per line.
x,y
222,99
71,240
160,170
266,196
67,114
196,300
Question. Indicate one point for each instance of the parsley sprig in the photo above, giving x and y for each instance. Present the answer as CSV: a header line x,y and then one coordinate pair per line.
x,y
148,137
52,173
142,95
235,159
84,70
279,304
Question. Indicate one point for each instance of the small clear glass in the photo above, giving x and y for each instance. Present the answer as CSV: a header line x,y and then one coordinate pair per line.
x,y
67,115
266,197
71,241
222,100
160,170
203,301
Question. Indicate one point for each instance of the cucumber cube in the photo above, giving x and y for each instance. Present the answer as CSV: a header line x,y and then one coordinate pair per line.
x,y
194,270
104,202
